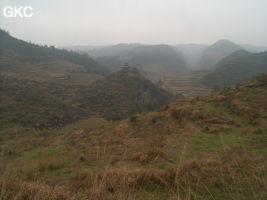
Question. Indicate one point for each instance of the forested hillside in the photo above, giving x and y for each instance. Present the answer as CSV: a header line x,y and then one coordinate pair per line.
x,y
47,104
34,53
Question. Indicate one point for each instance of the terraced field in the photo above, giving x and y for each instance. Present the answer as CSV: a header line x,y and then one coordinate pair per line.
x,y
187,85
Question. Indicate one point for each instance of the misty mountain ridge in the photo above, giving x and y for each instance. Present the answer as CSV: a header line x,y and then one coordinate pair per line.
x,y
216,52
253,48
235,68
34,53
153,61
114,50
196,56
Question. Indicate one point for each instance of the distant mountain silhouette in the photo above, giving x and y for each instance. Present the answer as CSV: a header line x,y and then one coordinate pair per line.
x,y
154,61
253,48
237,67
157,61
114,50
216,52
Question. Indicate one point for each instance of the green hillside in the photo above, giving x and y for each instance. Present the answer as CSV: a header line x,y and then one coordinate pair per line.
x,y
44,104
211,147
43,87
237,67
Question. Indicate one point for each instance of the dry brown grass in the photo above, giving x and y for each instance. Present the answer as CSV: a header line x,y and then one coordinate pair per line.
x,y
12,188
149,155
236,168
235,174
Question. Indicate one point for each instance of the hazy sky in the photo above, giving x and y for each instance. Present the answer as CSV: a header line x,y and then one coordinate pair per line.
x,y
102,22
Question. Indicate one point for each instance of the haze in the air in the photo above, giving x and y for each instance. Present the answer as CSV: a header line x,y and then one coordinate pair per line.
x,y
104,22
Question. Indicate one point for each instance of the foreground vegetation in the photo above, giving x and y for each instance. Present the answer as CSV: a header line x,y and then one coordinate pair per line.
x,y
210,147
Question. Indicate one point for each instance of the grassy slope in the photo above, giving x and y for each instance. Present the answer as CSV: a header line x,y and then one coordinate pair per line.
x,y
211,147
